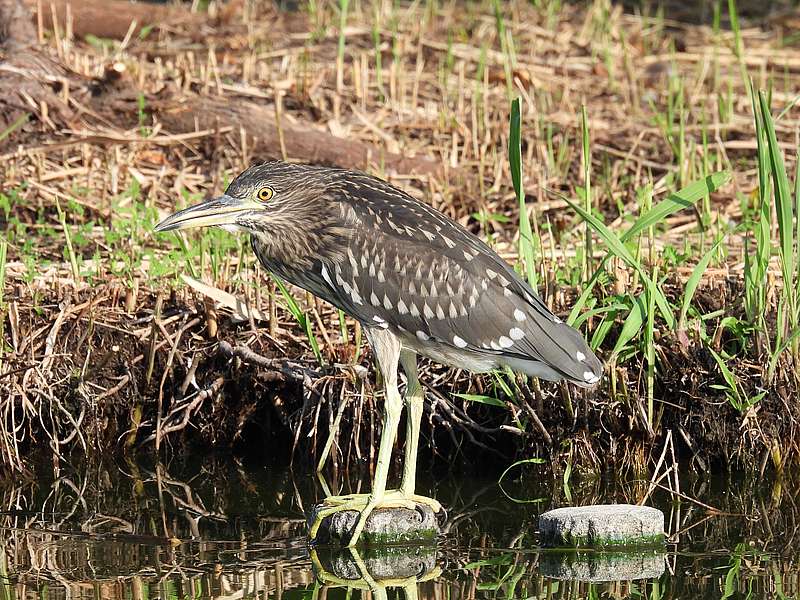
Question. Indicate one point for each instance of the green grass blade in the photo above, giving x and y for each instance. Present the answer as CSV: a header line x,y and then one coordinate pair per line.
x,y
797,221
526,461
515,165
19,122
585,294
730,380
694,281
587,184
738,47
3,255
490,400
676,201
598,311
632,326
783,199
301,318
618,249
756,272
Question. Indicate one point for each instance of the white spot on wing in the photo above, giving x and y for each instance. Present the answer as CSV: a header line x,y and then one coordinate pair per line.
x,y
326,276
590,377
519,315
557,320
516,333
352,260
580,355
422,335
459,342
505,342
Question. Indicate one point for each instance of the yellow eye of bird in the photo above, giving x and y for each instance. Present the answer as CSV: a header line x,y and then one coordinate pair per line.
x,y
265,193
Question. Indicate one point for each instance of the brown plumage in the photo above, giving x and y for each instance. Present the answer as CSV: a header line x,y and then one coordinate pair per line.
x,y
393,262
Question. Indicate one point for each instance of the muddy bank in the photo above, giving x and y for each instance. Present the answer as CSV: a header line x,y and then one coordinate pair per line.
x,y
107,380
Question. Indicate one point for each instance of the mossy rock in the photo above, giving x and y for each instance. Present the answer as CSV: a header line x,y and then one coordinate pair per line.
x,y
602,526
384,526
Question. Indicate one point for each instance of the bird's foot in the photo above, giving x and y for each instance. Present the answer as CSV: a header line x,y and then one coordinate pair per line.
x,y
364,504
431,503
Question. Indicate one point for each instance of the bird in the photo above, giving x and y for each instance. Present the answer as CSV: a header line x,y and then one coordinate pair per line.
x,y
417,281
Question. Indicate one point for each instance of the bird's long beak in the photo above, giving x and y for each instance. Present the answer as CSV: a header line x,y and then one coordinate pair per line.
x,y
219,211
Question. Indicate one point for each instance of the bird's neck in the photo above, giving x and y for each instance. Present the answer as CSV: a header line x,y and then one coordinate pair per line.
x,y
292,246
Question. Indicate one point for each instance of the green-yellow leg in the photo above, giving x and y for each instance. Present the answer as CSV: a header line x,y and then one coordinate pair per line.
x,y
415,396
387,352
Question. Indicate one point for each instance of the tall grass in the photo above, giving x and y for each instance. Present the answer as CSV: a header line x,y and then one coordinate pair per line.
x,y
526,246
3,255
507,47
343,7
641,307
777,197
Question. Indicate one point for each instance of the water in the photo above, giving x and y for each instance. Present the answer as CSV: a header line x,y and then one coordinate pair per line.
x,y
227,531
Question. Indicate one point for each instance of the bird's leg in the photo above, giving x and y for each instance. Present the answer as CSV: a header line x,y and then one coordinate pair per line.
x,y
414,399
387,351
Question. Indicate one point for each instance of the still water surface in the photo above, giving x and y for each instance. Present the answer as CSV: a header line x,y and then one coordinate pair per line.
x,y
223,530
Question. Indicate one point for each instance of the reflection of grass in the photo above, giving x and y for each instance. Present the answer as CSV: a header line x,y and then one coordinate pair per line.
x,y
7,589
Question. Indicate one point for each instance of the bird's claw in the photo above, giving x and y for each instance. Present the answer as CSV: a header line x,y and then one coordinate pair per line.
x,y
364,504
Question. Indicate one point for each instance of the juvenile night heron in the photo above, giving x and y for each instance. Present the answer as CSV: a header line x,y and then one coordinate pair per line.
x,y
418,282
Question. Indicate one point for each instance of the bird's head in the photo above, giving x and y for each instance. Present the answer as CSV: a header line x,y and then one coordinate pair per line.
x,y
259,200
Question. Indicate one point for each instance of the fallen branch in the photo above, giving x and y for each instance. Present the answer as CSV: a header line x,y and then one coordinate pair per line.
x,y
188,114
110,18
288,368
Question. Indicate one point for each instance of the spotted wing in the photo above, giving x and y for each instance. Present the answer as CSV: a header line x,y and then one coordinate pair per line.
x,y
407,267
411,268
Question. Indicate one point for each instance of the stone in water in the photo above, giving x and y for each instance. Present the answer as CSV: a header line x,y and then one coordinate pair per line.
x,y
602,525
383,527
